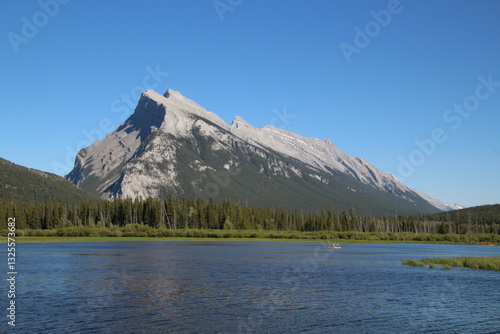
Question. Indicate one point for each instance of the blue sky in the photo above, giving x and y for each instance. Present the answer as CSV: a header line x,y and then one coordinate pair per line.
x,y
384,80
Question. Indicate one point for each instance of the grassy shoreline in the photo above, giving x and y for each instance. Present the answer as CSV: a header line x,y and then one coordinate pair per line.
x,y
144,233
483,263
62,239
108,239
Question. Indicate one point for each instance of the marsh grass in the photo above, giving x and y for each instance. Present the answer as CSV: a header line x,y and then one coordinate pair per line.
x,y
414,263
484,263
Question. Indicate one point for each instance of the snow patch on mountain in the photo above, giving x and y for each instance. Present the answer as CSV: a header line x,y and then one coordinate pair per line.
x,y
437,203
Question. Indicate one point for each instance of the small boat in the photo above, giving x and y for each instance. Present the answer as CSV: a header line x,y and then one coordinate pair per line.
x,y
334,246
487,244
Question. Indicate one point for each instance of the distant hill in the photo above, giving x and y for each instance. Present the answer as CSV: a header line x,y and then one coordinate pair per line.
x,y
484,214
27,185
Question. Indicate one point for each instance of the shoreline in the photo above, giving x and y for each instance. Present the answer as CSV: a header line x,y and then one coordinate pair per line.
x,y
62,239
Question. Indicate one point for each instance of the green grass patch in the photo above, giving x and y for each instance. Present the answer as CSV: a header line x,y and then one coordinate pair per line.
x,y
483,263
414,263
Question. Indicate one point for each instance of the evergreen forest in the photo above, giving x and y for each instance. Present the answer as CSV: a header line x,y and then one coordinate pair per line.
x,y
184,217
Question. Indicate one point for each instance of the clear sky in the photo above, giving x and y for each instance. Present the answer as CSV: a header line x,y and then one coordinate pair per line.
x,y
411,86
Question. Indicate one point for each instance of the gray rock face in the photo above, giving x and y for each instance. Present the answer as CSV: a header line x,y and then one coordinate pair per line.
x,y
172,145
437,203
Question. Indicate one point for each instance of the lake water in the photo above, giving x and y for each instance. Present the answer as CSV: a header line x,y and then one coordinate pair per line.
x,y
250,287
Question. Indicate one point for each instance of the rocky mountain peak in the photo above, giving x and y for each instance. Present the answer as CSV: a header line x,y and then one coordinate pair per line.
x,y
150,111
175,99
168,92
329,142
239,122
172,145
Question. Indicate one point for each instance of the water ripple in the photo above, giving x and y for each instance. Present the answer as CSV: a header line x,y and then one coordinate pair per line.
x,y
243,287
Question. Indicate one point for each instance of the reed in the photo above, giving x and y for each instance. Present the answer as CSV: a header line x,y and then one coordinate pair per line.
x,y
483,263
414,263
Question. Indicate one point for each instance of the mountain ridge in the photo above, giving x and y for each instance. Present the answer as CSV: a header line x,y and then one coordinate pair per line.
x,y
23,184
437,203
171,144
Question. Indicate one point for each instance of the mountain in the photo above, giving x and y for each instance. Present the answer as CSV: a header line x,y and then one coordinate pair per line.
x,y
172,145
18,183
485,215
437,203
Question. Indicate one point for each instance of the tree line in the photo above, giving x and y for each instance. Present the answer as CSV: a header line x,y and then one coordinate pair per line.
x,y
176,213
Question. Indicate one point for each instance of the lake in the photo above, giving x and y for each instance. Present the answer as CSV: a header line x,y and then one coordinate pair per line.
x,y
250,287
